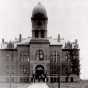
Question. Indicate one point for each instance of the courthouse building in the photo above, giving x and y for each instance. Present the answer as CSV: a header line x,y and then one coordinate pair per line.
x,y
39,57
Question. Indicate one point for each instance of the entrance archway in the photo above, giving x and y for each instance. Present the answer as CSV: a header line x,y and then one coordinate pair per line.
x,y
40,74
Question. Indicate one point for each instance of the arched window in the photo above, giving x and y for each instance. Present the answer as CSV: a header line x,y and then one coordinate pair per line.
x,y
40,55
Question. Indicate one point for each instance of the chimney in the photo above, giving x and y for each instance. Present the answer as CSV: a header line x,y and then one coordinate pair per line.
x,y
58,38
20,37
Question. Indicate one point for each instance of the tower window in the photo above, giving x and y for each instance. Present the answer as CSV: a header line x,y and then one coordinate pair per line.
x,y
36,34
42,34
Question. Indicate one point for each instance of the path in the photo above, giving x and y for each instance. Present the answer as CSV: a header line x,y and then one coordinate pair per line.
x,y
38,85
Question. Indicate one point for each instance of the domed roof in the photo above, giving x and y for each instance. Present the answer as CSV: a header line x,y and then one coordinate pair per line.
x,y
39,11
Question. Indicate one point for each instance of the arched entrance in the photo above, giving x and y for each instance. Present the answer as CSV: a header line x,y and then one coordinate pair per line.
x,y
40,74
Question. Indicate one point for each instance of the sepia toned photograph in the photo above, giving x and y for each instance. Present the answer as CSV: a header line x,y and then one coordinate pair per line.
x,y
43,44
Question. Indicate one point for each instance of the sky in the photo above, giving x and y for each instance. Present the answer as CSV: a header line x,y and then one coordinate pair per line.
x,y
67,17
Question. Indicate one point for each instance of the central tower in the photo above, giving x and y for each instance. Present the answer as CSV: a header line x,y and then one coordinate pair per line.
x,y
39,44
39,22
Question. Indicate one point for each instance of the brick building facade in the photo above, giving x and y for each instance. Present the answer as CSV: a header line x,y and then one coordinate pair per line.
x,y
38,58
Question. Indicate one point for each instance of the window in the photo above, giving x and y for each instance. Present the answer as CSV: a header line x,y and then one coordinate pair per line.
x,y
42,33
40,55
24,57
55,57
36,34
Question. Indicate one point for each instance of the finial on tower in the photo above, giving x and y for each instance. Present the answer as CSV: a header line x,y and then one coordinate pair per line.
x,y
39,3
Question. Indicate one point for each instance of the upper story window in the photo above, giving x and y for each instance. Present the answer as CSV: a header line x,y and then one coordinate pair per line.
x,y
55,57
24,57
40,55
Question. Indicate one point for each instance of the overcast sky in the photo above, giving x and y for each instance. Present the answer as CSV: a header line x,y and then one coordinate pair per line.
x,y
67,17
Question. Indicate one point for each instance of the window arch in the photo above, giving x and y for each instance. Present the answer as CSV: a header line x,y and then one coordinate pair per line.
x,y
39,55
